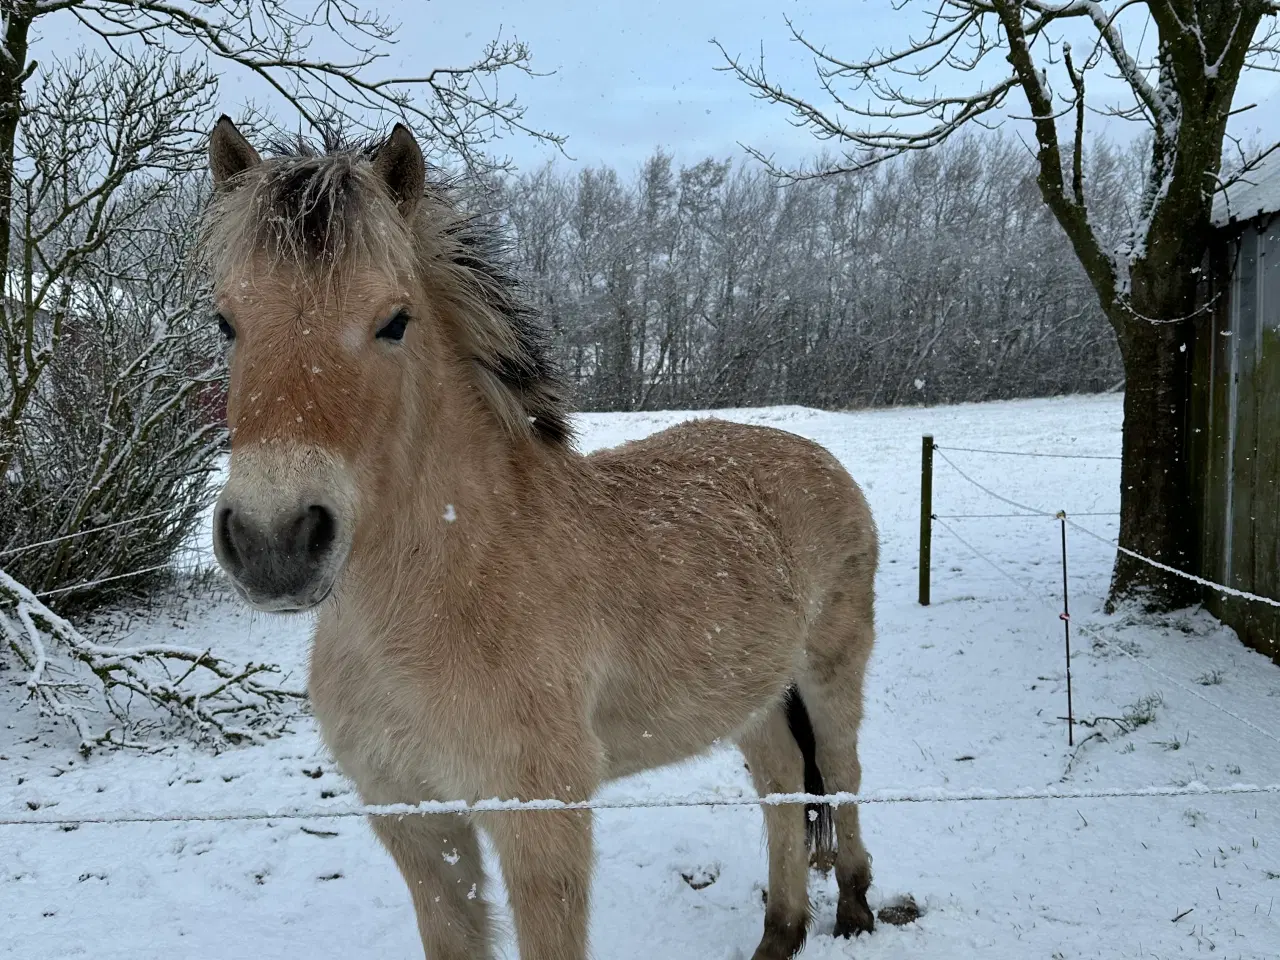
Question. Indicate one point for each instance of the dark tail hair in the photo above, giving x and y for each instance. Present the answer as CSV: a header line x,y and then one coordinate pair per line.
x,y
820,827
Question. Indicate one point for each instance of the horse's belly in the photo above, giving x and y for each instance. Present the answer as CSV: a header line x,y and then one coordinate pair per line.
x,y
647,718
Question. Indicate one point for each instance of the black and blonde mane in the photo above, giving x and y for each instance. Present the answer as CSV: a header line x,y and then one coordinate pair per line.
x,y
322,205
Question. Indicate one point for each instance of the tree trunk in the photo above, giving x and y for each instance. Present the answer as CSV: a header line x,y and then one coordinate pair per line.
x,y
1157,516
14,71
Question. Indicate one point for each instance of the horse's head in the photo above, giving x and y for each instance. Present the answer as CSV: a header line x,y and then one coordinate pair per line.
x,y
315,291
375,339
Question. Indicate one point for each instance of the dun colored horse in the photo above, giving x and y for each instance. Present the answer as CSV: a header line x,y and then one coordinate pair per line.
x,y
498,615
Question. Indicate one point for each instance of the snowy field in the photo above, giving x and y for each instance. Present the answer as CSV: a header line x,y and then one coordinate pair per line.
x,y
963,694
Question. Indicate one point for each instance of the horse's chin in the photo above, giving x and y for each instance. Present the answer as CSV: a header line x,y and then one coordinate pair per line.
x,y
285,606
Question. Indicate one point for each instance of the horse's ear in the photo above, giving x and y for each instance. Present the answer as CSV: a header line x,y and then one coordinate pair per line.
x,y
229,152
400,164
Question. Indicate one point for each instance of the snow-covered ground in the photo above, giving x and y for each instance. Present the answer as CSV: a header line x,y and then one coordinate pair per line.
x,y
965,693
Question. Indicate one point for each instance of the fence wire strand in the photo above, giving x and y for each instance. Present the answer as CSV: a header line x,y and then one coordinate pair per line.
x,y
924,795
94,583
1109,642
1023,453
1008,516
14,551
1221,588
1030,510
1036,511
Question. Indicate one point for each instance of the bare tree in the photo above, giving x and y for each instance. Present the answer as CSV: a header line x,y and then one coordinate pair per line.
x,y
99,148
85,153
1147,279
457,107
107,348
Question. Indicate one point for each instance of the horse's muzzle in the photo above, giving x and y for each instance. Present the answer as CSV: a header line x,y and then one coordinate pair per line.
x,y
282,565
282,529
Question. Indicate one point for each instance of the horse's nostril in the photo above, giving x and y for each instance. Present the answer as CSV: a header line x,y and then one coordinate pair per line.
x,y
223,532
318,530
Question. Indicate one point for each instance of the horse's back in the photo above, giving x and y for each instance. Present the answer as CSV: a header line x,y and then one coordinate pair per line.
x,y
795,485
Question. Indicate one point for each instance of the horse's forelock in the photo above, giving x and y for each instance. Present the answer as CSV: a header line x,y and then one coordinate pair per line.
x,y
309,211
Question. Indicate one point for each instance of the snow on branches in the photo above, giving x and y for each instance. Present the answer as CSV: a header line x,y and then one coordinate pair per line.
x,y
137,688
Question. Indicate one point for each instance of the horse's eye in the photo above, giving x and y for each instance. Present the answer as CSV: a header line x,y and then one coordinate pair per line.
x,y
225,327
393,329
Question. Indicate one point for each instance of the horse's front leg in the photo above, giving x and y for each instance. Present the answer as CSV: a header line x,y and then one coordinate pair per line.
x,y
546,861
439,857
546,855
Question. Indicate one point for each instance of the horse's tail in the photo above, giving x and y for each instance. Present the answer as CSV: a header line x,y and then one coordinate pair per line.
x,y
820,828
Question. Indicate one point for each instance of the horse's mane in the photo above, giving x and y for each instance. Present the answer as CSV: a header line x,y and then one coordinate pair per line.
x,y
321,205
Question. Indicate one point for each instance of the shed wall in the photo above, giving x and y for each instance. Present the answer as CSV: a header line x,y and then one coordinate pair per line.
x,y
1235,410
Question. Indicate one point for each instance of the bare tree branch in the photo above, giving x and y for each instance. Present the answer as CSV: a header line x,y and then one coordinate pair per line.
x,y
458,107
216,701
1077,152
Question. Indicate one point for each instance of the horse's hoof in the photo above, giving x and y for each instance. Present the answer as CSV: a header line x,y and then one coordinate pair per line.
x,y
781,941
854,917
901,911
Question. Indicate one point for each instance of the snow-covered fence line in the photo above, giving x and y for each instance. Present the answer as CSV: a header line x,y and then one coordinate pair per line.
x,y
1063,518
1026,510
1096,633
1221,588
927,517
1029,453
496,805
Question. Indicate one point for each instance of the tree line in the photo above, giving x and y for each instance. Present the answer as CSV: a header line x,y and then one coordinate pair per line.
x,y
937,278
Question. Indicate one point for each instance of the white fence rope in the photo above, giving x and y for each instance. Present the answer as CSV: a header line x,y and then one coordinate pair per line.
x,y
1218,587
1037,511
1111,644
923,795
1017,516
1026,589
1023,453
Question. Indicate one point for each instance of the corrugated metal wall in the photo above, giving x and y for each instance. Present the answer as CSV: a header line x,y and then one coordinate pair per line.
x,y
1235,441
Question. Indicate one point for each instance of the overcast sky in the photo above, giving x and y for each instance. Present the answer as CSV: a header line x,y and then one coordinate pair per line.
x,y
632,75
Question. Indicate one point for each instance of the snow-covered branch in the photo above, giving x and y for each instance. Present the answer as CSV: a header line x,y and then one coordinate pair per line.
x,y
962,35
878,107
110,694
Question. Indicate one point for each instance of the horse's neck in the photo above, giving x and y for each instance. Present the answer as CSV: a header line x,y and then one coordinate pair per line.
x,y
459,511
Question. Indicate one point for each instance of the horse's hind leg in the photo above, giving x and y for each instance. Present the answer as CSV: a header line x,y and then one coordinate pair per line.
x,y
777,767
838,649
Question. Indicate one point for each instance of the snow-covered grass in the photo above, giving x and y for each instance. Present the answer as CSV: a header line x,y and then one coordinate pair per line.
x,y
965,693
